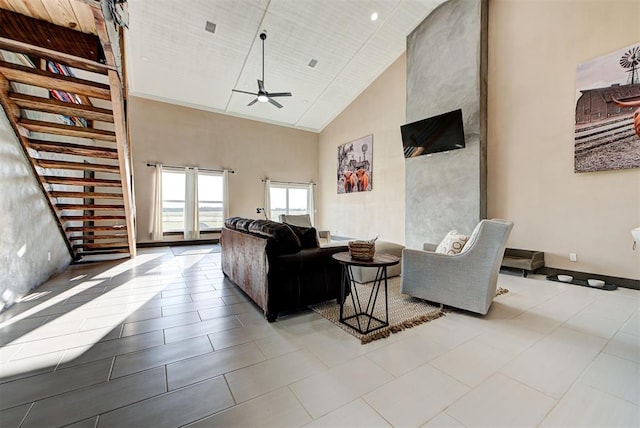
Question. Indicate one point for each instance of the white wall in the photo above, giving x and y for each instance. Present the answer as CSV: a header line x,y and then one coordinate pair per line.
x,y
534,48
176,135
29,231
379,110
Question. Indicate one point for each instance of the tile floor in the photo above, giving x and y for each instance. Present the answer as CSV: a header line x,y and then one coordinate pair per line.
x,y
165,341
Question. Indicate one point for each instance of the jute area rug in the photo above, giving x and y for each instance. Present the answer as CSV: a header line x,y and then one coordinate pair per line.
x,y
404,311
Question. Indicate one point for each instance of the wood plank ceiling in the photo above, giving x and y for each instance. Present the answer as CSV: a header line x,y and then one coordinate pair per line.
x,y
62,92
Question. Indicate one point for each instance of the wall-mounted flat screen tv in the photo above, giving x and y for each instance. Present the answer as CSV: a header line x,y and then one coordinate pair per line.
x,y
435,134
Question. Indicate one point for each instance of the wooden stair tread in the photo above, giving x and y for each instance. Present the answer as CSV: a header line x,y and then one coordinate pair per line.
x,y
84,195
97,237
80,254
54,106
91,217
112,228
72,149
90,207
105,142
61,57
77,181
48,80
81,166
103,245
67,130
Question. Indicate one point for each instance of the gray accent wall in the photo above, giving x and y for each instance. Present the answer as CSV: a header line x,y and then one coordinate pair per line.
x,y
31,246
446,70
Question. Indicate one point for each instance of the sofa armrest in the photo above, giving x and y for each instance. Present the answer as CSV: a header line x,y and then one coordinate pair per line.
x,y
308,257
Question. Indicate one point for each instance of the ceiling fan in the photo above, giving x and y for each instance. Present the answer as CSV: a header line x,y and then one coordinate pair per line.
x,y
263,96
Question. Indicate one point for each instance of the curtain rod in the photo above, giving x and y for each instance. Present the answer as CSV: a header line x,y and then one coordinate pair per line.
x,y
201,169
287,182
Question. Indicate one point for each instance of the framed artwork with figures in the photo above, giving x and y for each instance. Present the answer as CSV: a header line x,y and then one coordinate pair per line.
x,y
355,166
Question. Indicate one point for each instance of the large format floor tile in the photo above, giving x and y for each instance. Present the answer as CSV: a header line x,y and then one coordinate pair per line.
x,y
173,409
328,390
501,402
406,354
611,374
355,414
13,417
584,406
34,388
553,364
159,356
82,403
472,362
272,374
416,397
276,409
211,364
165,340
111,348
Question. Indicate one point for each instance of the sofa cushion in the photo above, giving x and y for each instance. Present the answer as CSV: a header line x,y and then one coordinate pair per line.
x,y
230,223
453,243
308,236
243,224
284,240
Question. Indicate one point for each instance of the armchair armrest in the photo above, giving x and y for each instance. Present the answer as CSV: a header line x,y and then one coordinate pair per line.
x,y
429,247
325,234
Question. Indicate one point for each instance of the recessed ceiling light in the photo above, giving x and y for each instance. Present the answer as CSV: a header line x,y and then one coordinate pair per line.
x,y
210,27
374,16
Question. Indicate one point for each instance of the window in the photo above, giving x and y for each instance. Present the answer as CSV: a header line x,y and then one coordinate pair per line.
x,y
173,192
288,199
210,200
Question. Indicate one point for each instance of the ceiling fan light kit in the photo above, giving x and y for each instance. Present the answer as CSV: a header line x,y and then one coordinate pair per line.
x,y
262,95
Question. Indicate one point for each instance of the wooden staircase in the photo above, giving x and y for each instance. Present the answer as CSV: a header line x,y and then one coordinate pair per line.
x,y
82,165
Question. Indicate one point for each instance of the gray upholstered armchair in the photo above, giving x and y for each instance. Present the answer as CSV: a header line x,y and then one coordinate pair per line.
x,y
304,220
467,280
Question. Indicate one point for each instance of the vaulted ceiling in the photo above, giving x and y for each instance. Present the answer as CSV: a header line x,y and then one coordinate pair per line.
x,y
171,57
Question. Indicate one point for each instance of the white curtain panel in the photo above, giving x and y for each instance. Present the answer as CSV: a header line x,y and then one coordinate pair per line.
x,y
267,198
225,195
156,221
191,221
311,206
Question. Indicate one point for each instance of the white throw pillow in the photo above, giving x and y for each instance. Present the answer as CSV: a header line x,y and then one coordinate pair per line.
x,y
453,243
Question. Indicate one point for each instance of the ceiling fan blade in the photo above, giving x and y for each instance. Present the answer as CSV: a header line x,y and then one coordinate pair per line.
x,y
252,102
280,94
275,103
244,92
261,86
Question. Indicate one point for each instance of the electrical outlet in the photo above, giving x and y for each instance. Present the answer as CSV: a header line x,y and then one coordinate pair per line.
x,y
573,257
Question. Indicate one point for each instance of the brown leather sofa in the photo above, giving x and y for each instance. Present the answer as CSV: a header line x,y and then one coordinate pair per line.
x,y
279,266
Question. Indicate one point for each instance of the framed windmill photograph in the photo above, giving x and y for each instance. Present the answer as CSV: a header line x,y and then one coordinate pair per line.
x,y
607,97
